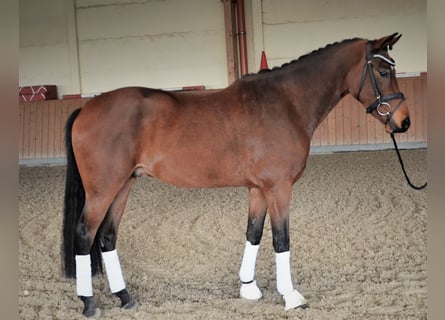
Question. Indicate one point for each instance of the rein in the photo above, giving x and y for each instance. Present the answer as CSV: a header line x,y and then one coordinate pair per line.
x,y
383,101
403,167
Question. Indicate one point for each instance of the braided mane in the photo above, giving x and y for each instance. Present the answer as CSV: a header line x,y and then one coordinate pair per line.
x,y
303,58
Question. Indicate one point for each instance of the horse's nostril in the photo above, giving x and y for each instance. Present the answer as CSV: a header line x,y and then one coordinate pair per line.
x,y
406,123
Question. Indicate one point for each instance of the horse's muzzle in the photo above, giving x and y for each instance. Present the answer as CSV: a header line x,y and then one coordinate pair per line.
x,y
403,127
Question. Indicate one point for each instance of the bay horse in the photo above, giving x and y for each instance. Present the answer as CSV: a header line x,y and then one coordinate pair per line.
x,y
255,133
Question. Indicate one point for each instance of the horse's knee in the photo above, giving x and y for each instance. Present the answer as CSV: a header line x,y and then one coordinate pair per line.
x,y
254,231
281,241
254,234
108,240
82,240
281,244
257,214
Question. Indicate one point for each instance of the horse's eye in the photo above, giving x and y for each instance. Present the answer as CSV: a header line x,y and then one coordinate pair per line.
x,y
384,73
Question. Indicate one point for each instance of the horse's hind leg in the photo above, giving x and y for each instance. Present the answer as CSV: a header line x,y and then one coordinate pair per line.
x,y
108,237
86,255
88,247
257,212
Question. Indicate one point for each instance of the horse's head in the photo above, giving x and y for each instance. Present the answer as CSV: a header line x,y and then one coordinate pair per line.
x,y
378,88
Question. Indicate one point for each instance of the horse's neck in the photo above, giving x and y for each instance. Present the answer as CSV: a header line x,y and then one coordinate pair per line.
x,y
316,91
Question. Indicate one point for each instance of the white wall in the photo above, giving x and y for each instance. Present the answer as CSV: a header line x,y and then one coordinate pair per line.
x,y
88,46
159,44
151,43
46,53
292,28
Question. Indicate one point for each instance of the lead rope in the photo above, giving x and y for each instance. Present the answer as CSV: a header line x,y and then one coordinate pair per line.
x,y
403,167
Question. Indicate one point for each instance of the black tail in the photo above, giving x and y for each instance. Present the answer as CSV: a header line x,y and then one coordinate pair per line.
x,y
73,207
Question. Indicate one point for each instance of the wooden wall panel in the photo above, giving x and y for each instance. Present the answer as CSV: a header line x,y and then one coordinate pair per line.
x,y
42,123
348,123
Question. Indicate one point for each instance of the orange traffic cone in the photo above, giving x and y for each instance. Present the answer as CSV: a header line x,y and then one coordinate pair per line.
x,y
263,65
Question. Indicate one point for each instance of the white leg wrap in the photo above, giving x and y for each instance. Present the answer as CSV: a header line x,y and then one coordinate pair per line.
x,y
284,280
113,270
285,287
247,270
249,289
84,284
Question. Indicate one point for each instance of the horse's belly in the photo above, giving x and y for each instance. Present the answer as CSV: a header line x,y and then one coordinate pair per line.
x,y
198,171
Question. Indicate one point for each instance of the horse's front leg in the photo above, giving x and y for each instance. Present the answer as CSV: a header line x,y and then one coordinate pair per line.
x,y
257,212
278,201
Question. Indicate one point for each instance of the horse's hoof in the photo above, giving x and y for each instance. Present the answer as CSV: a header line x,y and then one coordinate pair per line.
x,y
92,313
89,313
250,291
89,309
130,304
303,306
294,300
127,301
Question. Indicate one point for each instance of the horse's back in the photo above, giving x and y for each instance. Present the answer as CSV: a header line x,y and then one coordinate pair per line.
x,y
166,134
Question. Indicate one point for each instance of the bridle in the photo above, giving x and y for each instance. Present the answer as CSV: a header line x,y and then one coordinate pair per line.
x,y
381,104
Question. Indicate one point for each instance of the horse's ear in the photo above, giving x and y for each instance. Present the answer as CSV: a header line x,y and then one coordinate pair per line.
x,y
386,42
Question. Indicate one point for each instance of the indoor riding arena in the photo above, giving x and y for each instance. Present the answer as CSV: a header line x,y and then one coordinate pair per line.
x,y
357,228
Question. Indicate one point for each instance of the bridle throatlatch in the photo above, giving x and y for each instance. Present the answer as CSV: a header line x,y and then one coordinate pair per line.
x,y
381,104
